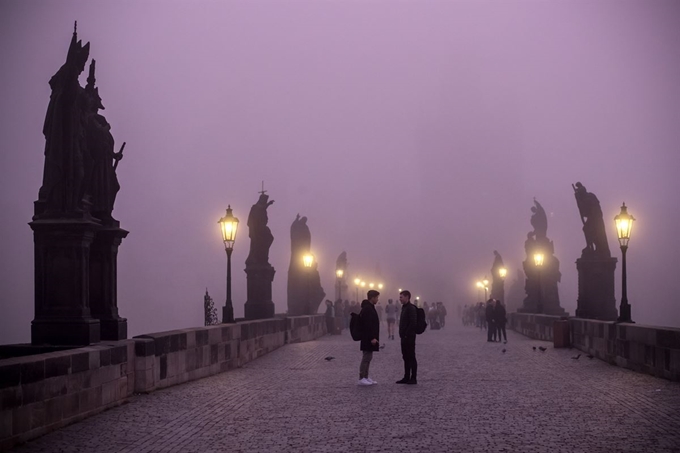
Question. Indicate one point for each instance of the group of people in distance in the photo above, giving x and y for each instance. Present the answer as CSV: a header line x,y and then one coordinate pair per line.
x,y
370,338
491,317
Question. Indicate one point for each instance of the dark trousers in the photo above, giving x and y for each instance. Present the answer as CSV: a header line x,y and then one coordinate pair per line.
x,y
408,352
501,328
330,325
491,331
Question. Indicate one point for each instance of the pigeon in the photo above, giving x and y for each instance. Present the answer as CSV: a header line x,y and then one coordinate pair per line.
x,y
503,351
590,356
577,357
533,347
329,358
542,348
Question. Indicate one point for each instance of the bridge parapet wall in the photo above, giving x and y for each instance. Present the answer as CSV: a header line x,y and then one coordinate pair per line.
x,y
43,392
646,349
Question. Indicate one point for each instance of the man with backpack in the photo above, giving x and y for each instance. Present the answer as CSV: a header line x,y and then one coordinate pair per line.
x,y
408,321
370,335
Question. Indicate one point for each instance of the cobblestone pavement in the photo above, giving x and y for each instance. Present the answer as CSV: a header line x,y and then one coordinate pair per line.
x,y
470,397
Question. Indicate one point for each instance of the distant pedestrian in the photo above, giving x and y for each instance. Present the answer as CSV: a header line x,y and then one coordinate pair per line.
x,y
330,317
491,327
500,318
442,313
391,311
407,332
370,335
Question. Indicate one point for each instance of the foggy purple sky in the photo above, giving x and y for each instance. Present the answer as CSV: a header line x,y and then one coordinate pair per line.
x,y
413,134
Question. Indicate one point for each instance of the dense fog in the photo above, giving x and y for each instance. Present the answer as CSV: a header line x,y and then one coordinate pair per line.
x,y
414,136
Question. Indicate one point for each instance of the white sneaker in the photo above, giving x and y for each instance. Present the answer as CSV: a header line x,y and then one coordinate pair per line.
x,y
371,381
365,381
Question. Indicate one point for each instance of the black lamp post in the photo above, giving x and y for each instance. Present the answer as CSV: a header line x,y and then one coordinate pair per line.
x,y
357,282
229,225
624,225
538,261
502,272
485,282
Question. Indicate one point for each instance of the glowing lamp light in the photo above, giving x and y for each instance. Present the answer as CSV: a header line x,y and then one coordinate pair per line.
x,y
538,259
357,281
485,282
624,225
502,272
363,284
480,285
371,285
229,226
380,286
339,273
308,260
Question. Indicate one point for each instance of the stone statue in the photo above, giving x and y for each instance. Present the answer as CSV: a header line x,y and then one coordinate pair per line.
x,y
539,221
542,295
593,224
103,182
305,293
62,190
341,262
261,237
497,283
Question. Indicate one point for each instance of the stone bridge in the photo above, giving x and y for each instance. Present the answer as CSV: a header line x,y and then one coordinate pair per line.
x,y
471,397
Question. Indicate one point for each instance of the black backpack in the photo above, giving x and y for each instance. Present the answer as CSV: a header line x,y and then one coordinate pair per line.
x,y
421,323
355,327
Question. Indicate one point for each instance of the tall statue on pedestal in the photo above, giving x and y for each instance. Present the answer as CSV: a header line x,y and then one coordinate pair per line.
x,y
260,274
76,238
542,295
341,264
497,281
305,293
596,266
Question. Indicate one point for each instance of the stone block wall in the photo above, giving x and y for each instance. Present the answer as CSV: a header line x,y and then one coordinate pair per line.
x,y
646,349
43,392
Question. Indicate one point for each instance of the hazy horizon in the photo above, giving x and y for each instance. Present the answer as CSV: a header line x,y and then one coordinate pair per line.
x,y
413,135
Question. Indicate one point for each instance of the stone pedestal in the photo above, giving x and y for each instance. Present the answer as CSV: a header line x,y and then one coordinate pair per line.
x,y
596,298
259,290
103,282
62,283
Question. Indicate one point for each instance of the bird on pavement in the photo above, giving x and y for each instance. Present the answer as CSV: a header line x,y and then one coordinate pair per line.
x,y
329,358
503,351
533,347
542,348
577,357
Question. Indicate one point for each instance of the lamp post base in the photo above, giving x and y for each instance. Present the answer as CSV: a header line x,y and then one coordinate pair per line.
x,y
227,314
624,314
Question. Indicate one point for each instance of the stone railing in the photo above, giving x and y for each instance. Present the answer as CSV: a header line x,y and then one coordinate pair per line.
x,y
647,349
43,392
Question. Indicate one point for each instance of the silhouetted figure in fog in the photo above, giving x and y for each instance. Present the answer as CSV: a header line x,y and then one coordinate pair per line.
x,y
500,319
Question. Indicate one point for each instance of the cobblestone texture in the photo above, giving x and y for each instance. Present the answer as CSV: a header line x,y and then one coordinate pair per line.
x,y
470,397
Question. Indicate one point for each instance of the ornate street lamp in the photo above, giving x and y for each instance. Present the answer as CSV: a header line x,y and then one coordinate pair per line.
x,y
357,282
538,262
624,225
485,282
339,273
480,287
229,226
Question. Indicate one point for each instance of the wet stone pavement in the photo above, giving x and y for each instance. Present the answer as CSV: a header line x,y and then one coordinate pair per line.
x,y
470,397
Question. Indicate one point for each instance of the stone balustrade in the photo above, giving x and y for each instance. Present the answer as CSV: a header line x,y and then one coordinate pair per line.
x,y
646,349
43,392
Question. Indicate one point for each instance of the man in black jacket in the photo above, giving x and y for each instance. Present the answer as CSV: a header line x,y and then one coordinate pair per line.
x,y
370,335
407,332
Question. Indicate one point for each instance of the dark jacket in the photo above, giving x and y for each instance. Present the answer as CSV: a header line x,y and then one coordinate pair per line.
x,y
489,313
499,314
370,327
407,321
